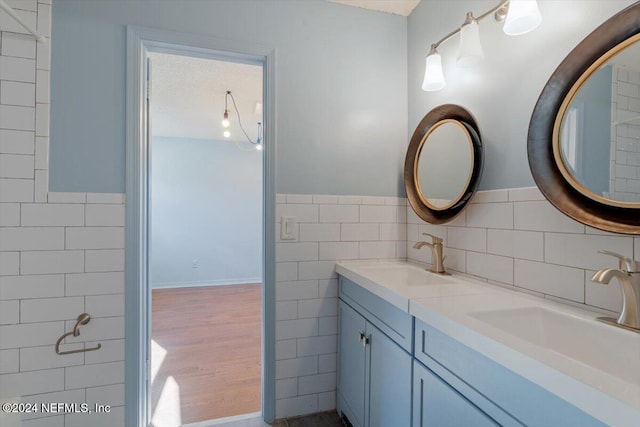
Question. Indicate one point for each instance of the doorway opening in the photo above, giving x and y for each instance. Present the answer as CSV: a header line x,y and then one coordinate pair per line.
x,y
141,43
205,239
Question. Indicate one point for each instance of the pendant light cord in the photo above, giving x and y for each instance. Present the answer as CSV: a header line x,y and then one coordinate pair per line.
x,y
240,121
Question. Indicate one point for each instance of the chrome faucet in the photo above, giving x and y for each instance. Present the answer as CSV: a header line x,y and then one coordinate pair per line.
x,y
628,275
437,259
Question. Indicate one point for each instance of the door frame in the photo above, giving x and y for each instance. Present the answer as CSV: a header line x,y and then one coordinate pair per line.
x,y
137,288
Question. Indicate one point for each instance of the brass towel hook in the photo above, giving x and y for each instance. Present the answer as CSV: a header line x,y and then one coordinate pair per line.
x,y
83,319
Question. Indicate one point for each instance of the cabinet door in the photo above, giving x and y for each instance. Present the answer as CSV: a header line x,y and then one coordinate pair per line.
x,y
351,370
436,404
389,381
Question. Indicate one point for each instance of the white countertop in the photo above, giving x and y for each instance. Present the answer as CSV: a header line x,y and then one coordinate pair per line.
x,y
456,304
400,282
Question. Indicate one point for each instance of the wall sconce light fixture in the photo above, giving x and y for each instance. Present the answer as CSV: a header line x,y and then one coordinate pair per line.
x,y
227,124
519,16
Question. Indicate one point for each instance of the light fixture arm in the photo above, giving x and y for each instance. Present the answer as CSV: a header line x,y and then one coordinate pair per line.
x,y
499,11
520,17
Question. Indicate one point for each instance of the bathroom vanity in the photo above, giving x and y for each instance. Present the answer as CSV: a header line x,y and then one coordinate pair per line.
x,y
420,349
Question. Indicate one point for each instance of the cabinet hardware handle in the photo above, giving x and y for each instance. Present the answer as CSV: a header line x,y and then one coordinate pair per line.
x,y
361,337
365,341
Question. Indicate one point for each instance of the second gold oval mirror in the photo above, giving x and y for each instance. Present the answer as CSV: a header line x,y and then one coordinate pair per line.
x,y
584,136
597,136
443,163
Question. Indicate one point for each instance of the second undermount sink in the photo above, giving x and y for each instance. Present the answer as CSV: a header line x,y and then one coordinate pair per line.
x,y
597,345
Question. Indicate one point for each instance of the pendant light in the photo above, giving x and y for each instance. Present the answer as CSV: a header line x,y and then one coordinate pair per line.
x,y
226,124
225,116
433,75
471,53
523,17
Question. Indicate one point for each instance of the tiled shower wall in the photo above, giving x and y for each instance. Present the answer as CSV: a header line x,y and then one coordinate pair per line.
x,y
515,238
625,135
61,254
330,229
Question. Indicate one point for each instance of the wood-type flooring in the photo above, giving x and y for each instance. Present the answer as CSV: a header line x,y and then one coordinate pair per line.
x,y
206,352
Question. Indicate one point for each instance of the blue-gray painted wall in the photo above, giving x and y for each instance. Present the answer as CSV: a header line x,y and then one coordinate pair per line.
x,y
347,80
502,91
206,205
341,88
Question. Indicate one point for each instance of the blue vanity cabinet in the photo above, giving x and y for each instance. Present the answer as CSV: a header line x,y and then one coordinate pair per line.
x,y
374,370
495,391
395,370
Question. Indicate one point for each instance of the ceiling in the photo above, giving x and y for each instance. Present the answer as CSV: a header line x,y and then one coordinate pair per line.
x,y
188,94
398,7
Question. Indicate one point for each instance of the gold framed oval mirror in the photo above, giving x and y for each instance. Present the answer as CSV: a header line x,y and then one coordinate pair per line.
x,y
584,134
443,163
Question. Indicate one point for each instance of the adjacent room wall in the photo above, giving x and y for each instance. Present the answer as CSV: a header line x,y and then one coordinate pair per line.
x,y
502,91
206,204
341,88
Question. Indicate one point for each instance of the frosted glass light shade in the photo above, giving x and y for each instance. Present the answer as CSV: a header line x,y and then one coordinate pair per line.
x,y
523,16
470,53
433,77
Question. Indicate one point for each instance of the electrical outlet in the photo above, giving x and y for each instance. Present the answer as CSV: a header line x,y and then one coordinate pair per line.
x,y
194,263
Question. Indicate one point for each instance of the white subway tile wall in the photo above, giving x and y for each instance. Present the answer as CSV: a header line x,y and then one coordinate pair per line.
x,y
515,238
331,229
624,170
61,254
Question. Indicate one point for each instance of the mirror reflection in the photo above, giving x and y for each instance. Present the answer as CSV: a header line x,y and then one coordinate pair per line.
x,y
444,164
599,135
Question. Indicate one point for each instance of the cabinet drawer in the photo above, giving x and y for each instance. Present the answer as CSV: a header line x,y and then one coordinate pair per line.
x,y
395,323
525,401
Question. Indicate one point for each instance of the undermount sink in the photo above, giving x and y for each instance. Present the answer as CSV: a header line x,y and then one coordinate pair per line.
x,y
405,274
397,282
597,345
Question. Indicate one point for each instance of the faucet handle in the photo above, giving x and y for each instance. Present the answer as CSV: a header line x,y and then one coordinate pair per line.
x,y
625,264
434,239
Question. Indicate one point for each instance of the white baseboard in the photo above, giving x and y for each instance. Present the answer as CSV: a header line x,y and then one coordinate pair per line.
x,y
255,416
167,285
